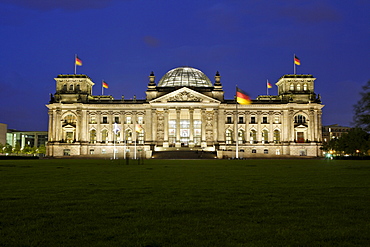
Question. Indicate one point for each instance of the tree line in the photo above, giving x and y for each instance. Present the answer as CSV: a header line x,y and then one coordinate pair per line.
x,y
9,149
357,140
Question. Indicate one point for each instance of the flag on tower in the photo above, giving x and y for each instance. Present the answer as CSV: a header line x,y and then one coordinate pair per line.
x,y
105,85
242,97
78,61
296,60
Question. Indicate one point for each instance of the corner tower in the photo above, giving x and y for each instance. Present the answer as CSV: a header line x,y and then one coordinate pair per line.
x,y
72,88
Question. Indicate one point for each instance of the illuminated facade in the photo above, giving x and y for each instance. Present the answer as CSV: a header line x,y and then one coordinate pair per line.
x,y
184,111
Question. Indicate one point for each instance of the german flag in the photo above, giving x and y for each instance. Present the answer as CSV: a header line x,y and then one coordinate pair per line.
x,y
296,60
78,61
242,97
269,84
105,85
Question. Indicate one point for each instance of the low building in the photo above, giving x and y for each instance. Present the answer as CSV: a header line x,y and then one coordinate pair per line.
x,y
26,138
333,131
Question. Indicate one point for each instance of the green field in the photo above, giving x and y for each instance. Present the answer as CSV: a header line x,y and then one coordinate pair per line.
x,y
184,203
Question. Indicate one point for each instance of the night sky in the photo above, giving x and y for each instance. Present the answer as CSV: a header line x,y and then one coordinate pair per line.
x,y
122,41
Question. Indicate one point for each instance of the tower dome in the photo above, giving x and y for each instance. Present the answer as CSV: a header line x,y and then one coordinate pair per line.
x,y
186,77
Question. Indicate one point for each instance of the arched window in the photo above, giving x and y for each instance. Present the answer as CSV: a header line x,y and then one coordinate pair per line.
x,y
128,136
229,136
140,137
241,136
93,136
265,136
71,87
300,119
117,136
291,87
104,136
305,87
276,136
78,87
298,87
65,87
70,119
253,136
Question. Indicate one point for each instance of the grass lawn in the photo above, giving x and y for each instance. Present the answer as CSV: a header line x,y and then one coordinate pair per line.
x,y
184,203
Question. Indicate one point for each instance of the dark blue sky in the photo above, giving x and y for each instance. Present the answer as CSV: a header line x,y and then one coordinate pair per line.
x,y
122,41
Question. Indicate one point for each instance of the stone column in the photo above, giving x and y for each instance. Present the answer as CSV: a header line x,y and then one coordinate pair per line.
x,y
215,125
78,125
191,141
58,124
203,117
165,125
51,133
98,126
270,120
134,122
178,143
153,125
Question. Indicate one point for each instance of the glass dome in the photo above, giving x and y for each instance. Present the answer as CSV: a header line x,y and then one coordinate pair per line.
x,y
184,76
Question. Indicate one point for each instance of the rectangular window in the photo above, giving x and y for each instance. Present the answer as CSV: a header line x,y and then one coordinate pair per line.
x,y
241,120
277,119
128,120
116,119
264,120
105,119
103,151
253,120
229,120
265,151
254,151
66,152
91,151
140,120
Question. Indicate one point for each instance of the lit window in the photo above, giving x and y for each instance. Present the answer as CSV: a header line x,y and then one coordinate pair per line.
x,y
140,120
291,88
128,120
304,87
229,136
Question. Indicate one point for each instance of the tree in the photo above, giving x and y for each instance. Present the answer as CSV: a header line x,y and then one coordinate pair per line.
x,y
355,142
362,109
8,148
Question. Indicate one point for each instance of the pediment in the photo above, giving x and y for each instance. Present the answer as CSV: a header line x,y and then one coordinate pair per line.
x,y
184,95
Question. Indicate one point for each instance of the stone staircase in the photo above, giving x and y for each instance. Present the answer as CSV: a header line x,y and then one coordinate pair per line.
x,y
184,154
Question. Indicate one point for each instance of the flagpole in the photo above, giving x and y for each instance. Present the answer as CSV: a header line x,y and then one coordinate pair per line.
x,y
267,87
236,128
294,64
102,88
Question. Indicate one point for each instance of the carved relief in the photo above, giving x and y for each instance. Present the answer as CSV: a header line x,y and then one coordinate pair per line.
x,y
209,135
209,120
160,126
185,96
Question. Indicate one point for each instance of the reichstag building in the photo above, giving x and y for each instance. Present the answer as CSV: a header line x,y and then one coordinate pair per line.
x,y
185,111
